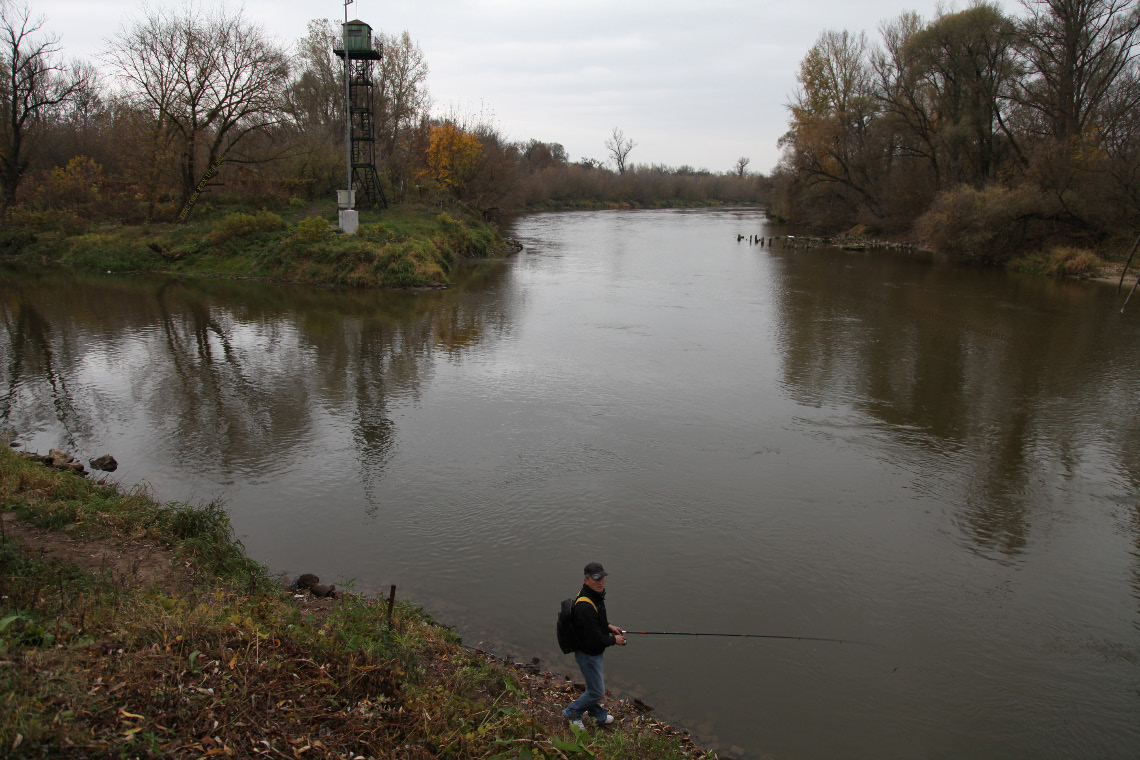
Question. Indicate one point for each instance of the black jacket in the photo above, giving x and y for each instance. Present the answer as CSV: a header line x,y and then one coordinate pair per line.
x,y
592,625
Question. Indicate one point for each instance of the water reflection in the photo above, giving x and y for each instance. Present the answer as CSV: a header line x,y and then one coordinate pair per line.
x,y
225,377
33,375
931,353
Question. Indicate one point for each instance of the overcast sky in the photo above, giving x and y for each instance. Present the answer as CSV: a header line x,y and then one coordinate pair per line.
x,y
700,83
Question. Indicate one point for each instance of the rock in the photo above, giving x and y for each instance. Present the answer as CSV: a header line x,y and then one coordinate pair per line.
x,y
320,590
59,458
303,582
106,463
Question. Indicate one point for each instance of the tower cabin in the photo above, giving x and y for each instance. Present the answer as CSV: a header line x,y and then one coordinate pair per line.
x,y
359,42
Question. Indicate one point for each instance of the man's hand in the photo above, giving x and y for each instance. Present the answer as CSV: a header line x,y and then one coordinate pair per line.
x,y
619,639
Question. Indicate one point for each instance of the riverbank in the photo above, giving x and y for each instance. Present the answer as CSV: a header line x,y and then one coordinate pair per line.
x,y
131,628
408,246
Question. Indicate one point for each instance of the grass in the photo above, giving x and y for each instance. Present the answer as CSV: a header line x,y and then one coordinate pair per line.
x,y
226,663
407,246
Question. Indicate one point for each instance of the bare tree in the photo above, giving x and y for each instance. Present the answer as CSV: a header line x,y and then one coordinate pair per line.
x,y
619,148
316,95
210,82
34,84
741,166
1076,51
404,100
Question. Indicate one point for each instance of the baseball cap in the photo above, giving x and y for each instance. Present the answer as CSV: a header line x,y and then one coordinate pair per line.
x,y
595,571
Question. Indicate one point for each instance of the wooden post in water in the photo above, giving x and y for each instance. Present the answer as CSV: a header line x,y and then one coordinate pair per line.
x,y
391,603
1120,284
1126,300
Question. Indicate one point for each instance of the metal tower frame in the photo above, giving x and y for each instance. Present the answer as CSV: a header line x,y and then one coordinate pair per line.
x,y
365,179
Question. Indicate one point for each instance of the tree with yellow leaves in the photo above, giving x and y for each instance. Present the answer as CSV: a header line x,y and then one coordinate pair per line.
x,y
452,157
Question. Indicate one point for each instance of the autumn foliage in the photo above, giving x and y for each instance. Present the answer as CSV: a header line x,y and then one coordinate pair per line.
x,y
452,156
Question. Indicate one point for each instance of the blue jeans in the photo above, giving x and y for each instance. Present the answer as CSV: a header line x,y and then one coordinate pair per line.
x,y
591,667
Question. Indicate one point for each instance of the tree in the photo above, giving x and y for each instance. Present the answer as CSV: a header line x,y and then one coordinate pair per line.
x,y
540,155
904,94
452,157
829,142
619,148
1077,103
403,100
740,168
34,85
316,96
209,82
1076,51
965,63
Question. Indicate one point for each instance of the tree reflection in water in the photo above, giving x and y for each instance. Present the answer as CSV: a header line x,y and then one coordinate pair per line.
x,y
949,381
224,372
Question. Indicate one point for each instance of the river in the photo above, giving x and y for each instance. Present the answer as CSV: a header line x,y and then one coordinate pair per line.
x,y
942,462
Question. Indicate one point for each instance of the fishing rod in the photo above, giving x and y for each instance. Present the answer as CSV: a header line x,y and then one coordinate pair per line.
x,y
750,636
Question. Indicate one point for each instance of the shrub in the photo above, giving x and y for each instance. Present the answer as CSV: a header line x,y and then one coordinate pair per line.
x,y
980,225
296,203
242,225
377,233
1061,261
12,241
75,186
311,230
66,223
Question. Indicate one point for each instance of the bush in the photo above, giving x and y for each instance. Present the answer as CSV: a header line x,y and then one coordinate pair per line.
x,y
377,233
12,241
1061,261
987,225
66,223
311,230
242,225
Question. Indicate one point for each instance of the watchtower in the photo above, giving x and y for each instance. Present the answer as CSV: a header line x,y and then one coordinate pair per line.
x,y
361,130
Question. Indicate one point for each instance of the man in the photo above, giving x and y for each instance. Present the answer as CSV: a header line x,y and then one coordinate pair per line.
x,y
594,634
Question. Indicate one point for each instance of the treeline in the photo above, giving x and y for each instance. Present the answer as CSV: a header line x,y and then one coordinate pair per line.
x,y
187,100
987,135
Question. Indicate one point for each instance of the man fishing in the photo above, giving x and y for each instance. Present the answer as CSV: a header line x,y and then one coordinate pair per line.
x,y
594,634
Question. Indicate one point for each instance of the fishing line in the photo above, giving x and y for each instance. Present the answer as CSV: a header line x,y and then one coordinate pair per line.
x,y
751,636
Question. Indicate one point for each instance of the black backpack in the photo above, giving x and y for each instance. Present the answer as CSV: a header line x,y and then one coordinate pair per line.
x,y
567,633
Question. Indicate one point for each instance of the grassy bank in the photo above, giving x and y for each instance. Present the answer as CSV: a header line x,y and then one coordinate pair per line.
x,y
409,245
130,628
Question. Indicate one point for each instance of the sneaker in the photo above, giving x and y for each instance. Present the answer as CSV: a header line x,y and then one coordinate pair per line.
x,y
578,724
609,719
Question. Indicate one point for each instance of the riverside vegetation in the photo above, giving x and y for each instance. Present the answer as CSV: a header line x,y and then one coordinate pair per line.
x,y
411,245
999,135
130,628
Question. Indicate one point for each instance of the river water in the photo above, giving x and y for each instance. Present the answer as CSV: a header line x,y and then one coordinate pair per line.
x,y
942,462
